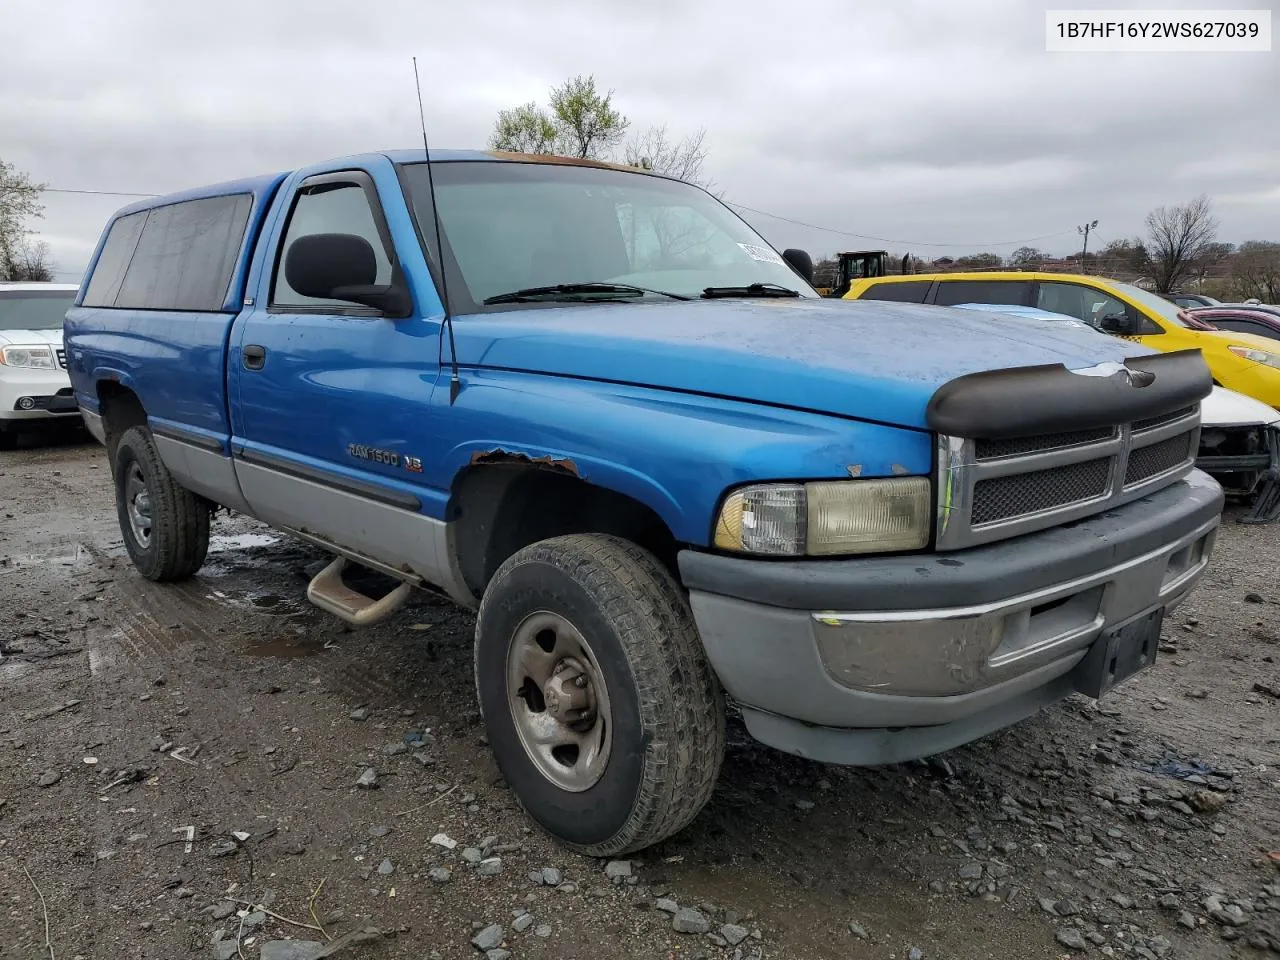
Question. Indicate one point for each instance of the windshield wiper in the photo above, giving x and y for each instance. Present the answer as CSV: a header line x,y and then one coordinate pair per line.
x,y
750,290
573,291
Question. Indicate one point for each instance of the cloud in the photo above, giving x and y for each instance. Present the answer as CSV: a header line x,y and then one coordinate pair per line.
x,y
920,121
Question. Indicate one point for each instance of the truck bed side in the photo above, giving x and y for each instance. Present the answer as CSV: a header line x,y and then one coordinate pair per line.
x,y
139,308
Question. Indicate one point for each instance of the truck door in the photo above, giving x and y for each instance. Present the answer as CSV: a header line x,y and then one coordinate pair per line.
x,y
331,400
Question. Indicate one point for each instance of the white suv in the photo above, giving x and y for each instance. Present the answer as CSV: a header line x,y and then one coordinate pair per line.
x,y
34,389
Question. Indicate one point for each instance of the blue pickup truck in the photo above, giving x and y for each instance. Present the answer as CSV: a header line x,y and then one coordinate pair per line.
x,y
593,404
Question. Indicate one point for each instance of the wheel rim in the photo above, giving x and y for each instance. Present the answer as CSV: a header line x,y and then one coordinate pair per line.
x,y
559,702
138,503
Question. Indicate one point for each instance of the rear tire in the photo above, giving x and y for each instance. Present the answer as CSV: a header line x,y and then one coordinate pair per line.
x,y
615,623
165,526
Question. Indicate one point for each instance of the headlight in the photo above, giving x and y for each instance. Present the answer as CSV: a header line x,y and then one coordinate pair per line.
x,y
1257,356
41,357
827,518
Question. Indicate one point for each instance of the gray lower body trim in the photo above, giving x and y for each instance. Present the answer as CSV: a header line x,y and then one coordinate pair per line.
x,y
93,423
203,471
875,747
394,498
356,526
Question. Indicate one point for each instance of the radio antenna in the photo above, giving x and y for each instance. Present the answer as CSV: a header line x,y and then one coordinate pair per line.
x,y
455,385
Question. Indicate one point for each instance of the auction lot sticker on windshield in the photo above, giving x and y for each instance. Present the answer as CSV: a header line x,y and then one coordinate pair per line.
x,y
1158,31
763,254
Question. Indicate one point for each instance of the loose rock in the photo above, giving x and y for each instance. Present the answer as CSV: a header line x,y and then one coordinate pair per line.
x,y
543,931
498,954
689,920
489,868
368,780
1072,939
360,713
290,950
858,930
734,934
522,922
49,778
666,905
552,877
488,938
440,874
617,870
386,868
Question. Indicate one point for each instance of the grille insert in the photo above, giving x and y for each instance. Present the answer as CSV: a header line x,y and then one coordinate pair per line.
x,y
1147,462
1172,415
62,358
1021,446
1023,494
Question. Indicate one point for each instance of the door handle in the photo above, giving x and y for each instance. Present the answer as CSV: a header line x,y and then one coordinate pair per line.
x,y
255,357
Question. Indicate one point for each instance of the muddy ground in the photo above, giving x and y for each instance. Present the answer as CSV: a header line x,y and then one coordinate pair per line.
x,y
134,716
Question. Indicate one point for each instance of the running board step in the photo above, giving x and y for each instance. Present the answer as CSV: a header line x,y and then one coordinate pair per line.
x,y
329,592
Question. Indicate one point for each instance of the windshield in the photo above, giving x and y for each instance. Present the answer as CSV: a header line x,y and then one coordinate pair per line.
x,y
1152,303
511,226
34,309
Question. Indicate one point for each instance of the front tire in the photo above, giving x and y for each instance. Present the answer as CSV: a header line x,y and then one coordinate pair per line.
x,y
602,711
165,525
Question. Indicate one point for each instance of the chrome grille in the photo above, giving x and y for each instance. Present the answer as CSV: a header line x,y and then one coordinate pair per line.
x,y
1147,462
994,489
62,358
1020,446
1022,494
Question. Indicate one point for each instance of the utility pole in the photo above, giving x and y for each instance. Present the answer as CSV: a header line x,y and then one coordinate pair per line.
x,y
1084,262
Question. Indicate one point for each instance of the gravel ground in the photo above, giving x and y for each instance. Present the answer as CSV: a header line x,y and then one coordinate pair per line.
x,y
217,769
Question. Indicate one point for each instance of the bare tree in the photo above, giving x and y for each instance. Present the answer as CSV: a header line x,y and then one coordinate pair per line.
x,y
1025,258
682,159
19,202
27,261
1177,238
1256,268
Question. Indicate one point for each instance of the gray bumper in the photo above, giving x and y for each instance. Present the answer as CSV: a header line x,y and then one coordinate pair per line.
x,y
880,660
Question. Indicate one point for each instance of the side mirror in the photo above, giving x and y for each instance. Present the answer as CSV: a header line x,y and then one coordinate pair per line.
x,y
801,263
342,266
1120,324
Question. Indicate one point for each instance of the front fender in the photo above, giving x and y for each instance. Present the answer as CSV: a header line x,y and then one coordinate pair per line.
x,y
676,453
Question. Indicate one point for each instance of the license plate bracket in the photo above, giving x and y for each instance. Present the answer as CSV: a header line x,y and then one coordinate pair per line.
x,y
1120,652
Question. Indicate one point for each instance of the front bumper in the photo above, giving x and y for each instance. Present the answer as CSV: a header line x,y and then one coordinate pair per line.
x,y
29,394
880,660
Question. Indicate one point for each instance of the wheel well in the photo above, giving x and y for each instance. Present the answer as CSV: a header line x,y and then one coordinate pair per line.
x,y
499,509
120,409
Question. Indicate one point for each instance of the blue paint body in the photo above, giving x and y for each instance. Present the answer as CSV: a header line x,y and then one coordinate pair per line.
x,y
671,403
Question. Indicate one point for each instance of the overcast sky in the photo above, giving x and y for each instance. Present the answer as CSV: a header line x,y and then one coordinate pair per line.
x,y
920,122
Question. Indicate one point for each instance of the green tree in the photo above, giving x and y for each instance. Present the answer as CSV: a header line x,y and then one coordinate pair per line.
x,y
588,124
19,202
526,129
580,122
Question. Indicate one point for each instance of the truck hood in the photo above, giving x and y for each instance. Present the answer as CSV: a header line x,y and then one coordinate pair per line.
x,y
27,338
871,360
1226,408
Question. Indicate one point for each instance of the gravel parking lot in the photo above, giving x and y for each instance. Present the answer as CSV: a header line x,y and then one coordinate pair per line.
x,y
212,768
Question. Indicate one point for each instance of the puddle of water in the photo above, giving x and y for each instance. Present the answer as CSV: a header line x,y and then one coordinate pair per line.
x,y
263,602
220,543
286,647
78,557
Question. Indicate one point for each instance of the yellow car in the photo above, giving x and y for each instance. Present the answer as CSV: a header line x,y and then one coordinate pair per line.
x,y
1241,362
